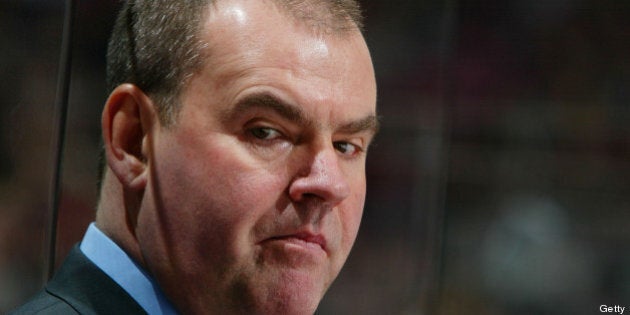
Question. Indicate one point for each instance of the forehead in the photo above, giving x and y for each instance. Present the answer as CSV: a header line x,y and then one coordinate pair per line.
x,y
253,43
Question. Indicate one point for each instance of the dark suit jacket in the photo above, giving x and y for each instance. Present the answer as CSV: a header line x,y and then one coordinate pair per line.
x,y
80,287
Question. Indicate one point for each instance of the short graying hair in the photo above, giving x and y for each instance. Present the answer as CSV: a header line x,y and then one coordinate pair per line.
x,y
155,44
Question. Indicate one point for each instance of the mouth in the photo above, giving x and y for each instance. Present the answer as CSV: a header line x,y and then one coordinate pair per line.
x,y
303,239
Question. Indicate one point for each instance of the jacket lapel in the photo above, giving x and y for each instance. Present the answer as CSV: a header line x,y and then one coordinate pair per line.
x,y
88,289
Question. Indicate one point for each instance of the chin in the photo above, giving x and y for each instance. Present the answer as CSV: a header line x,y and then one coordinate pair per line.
x,y
295,296
291,306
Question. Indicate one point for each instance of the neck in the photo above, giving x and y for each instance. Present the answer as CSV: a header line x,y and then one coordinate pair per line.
x,y
116,216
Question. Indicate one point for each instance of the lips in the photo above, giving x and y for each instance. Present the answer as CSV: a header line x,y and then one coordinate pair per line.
x,y
303,238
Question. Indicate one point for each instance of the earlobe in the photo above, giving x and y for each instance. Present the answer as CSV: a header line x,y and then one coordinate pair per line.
x,y
127,121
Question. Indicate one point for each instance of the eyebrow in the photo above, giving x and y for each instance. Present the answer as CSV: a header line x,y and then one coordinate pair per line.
x,y
294,113
369,123
267,101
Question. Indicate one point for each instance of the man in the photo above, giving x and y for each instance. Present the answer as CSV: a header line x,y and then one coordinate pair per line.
x,y
235,137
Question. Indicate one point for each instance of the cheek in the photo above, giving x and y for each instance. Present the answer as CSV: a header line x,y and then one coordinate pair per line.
x,y
212,193
354,216
351,216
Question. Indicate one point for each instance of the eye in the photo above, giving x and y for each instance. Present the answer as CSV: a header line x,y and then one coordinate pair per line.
x,y
265,142
347,148
264,133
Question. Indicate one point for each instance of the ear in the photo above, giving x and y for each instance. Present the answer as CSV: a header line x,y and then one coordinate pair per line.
x,y
128,119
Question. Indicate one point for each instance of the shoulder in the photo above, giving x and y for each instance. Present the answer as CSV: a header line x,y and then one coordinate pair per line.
x,y
44,303
80,287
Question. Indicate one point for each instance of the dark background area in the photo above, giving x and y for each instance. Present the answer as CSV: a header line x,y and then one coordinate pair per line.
x,y
499,183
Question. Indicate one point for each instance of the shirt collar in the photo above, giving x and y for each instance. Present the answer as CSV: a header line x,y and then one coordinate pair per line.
x,y
110,258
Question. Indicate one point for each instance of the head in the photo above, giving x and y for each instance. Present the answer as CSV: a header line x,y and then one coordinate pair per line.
x,y
236,166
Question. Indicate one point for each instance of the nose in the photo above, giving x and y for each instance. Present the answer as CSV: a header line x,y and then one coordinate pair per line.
x,y
322,178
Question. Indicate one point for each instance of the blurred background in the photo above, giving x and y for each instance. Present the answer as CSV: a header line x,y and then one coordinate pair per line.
x,y
499,183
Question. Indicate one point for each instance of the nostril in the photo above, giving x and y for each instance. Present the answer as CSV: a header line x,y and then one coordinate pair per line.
x,y
309,196
306,196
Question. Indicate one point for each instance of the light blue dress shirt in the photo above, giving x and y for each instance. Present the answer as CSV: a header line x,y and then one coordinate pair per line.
x,y
105,254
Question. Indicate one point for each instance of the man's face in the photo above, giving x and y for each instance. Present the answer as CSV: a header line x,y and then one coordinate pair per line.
x,y
255,195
